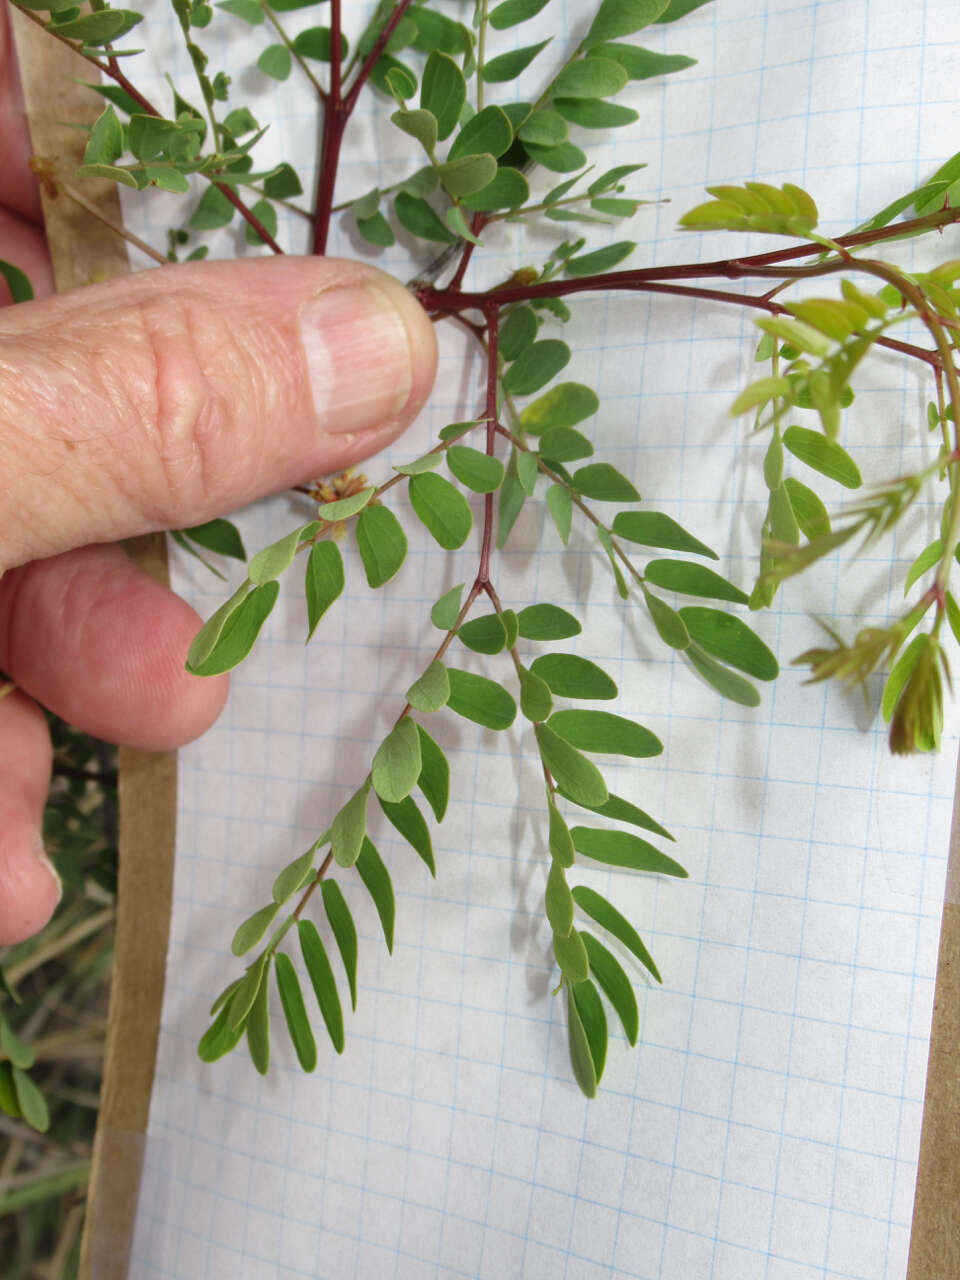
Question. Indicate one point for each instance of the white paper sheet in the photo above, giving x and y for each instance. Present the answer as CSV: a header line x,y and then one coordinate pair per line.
x,y
768,1125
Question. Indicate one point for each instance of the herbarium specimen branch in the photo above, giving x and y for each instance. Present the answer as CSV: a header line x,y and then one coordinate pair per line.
x,y
814,347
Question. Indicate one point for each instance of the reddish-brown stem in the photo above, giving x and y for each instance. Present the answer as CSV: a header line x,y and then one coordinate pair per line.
x,y
479,222
491,314
726,268
339,107
382,40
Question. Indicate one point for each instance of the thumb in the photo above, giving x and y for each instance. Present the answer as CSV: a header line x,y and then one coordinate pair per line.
x,y
169,397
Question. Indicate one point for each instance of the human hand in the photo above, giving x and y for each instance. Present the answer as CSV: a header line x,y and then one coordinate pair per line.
x,y
156,401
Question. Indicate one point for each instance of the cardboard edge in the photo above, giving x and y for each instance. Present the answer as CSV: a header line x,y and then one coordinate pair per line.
x,y
85,251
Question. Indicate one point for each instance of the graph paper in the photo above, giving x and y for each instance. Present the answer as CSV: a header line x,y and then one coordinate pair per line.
x,y
767,1127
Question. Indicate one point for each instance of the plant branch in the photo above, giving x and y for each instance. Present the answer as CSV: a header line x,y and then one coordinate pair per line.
x,y
726,268
492,316
298,59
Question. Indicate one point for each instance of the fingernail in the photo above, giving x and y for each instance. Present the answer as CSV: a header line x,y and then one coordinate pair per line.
x,y
42,856
358,357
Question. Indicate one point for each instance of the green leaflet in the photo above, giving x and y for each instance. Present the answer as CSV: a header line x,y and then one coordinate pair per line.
x,y
570,676
571,956
432,690
382,544
32,1104
481,700
726,682
213,211
258,1025
560,505
486,634
324,581
517,332
19,1053
595,114
511,500
269,563
8,1092
489,132
624,849
246,990
603,537
442,508
434,780
547,622
581,1057
590,1008
467,175
508,190
924,561
603,731
823,455
545,128
20,287
377,880
728,638
563,444
293,877
811,514
609,918
536,366
344,508
376,230
416,215
220,536
614,984
561,841
443,92
445,612
511,626
564,405
344,931
654,529
349,827
670,626
294,1010
903,669
578,776
410,822
509,13
604,483
600,260
643,64
679,9
316,43
621,810
236,631
421,125
396,765
437,31
617,18
692,580
527,468
474,469
283,183
426,462
592,77
507,66
219,1039
250,932
207,638
558,900
535,700
323,982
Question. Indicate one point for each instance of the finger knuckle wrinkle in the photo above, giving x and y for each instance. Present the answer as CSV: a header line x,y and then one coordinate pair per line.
x,y
190,412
